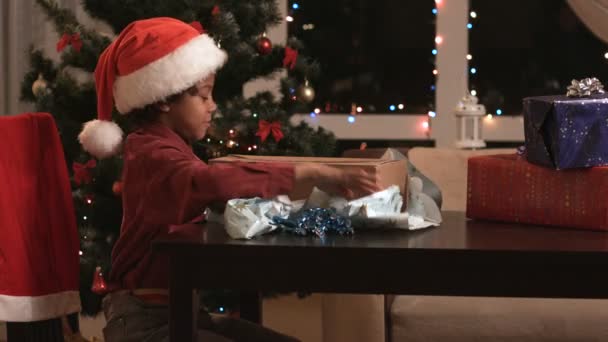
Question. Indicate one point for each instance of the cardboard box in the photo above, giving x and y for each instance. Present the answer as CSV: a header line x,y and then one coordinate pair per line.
x,y
508,188
378,153
390,171
428,186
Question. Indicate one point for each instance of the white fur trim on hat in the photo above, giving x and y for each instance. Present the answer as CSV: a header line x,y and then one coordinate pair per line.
x,y
101,138
171,74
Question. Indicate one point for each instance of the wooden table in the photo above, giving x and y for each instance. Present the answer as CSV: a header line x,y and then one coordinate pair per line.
x,y
460,258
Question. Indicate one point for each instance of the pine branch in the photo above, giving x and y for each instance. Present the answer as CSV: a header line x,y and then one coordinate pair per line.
x,y
40,65
65,22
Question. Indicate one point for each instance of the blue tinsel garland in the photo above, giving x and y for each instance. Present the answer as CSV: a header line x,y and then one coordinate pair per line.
x,y
318,221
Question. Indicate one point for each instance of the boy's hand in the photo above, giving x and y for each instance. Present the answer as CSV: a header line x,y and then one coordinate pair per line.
x,y
348,183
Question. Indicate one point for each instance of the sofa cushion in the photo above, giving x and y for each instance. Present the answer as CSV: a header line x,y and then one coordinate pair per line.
x,y
353,318
451,319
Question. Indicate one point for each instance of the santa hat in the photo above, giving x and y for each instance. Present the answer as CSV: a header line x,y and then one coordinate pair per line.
x,y
150,60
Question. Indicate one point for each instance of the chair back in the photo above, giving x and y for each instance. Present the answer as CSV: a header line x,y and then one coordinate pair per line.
x,y
39,241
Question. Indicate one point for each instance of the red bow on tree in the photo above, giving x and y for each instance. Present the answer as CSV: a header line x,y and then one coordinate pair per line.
x,y
266,127
291,56
68,39
82,172
198,26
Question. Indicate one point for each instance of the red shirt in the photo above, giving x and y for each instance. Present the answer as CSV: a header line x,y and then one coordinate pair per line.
x,y
166,184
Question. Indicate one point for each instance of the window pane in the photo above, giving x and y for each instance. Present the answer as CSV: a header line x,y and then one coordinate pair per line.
x,y
526,48
375,53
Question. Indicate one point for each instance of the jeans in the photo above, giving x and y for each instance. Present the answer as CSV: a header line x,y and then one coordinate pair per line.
x,y
131,319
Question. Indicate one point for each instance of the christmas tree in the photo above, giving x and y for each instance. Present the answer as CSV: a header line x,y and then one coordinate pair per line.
x,y
255,125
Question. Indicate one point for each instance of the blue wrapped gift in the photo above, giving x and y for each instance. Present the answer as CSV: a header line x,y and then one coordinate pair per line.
x,y
566,132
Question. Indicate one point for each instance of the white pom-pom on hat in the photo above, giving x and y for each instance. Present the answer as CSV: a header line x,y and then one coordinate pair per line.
x,y
101,138
150,60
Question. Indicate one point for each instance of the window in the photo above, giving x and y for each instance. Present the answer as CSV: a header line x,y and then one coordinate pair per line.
x,y
526,48
376,54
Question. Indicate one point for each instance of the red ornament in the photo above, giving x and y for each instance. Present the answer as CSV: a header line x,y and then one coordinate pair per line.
x,y
264,46
215,10
266,127
363,146
68,39
117,188
291,56
82,172
99,283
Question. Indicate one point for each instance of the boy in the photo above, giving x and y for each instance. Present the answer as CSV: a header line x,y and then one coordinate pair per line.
x,y
160,72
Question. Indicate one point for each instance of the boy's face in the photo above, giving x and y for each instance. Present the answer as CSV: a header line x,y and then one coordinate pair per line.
x,y
190,115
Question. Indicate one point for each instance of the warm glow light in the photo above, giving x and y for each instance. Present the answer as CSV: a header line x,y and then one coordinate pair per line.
x,y
289,18
606,55
317,110
469,57
473,14
489,117
435,72
401,106
438,40
474,92
425,125
359,109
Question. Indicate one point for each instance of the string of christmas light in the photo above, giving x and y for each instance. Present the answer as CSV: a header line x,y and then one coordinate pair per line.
x,y
473,70
426,125
351,118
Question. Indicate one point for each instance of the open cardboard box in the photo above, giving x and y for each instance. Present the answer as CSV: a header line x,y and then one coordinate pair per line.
x,y
392,172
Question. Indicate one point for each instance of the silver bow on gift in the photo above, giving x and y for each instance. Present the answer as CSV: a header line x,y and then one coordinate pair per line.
x,y
585,87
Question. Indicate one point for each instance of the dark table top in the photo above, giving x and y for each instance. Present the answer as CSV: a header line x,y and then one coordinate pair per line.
x,y
460,257
455,233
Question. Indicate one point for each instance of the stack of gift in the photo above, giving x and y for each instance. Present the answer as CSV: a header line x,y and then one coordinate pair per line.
x,y
560,178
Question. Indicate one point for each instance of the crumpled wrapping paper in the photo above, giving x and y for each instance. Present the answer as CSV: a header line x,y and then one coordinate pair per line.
x,y
247,218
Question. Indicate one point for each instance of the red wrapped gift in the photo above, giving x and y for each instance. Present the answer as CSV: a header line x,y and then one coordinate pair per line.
x,y
508,188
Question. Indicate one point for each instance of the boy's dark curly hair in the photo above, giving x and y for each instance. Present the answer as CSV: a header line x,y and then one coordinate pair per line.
x,y
149,114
